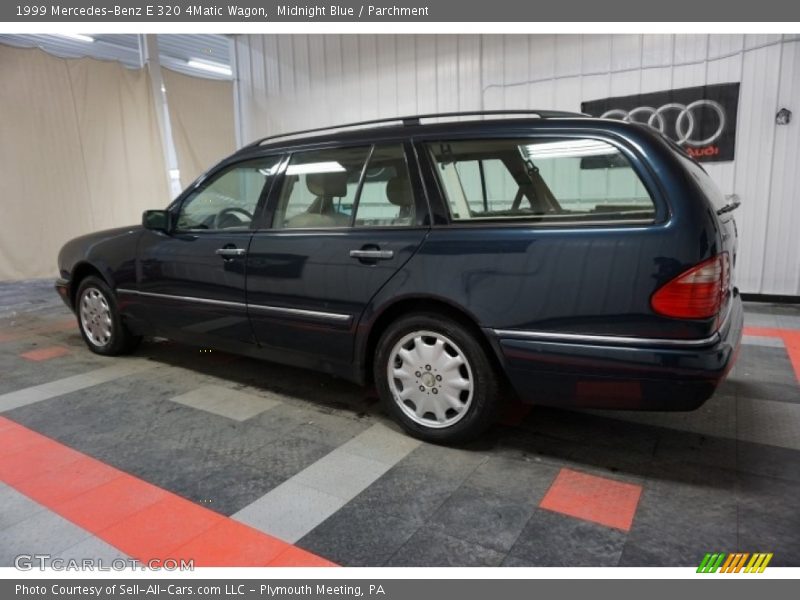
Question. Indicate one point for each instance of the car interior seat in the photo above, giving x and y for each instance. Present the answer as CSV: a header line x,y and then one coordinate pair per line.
x,y
399,193
322,212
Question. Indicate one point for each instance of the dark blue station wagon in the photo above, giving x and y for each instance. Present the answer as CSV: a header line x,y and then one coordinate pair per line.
x,y
574,261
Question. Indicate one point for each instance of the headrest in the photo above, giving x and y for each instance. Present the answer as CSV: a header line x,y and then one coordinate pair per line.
x,y
398,191
327,185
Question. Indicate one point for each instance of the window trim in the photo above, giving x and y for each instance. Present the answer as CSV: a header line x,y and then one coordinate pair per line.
x,y
360,187
663,210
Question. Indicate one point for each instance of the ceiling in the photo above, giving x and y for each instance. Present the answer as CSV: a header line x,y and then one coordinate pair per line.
x,y
174,50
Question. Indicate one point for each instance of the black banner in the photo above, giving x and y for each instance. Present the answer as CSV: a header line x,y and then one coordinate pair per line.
x,y
268,588
701,119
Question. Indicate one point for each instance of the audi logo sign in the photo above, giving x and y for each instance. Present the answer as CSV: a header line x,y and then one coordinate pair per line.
x,y
701,119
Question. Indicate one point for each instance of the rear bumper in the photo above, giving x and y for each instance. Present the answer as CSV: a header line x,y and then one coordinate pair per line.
x,y
63,289
621,374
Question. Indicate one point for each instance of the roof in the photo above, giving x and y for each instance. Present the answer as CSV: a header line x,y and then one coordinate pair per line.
x,y
396,125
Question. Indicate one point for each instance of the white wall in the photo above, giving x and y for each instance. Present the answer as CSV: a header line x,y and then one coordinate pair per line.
x,y
288,82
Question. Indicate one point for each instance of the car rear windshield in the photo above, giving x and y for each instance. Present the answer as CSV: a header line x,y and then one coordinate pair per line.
x,y
540,179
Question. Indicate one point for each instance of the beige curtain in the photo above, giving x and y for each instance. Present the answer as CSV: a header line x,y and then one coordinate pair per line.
x,y
80,151
201,115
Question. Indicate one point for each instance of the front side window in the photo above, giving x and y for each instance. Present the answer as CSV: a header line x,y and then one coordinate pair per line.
x,y
228,201
540,179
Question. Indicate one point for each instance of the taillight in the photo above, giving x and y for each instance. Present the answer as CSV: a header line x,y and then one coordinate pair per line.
x,y
699,293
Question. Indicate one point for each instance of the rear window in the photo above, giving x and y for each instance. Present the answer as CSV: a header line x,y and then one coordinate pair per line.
x,y
570,180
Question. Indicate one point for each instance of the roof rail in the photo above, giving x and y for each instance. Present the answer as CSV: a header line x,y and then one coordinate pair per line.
x,y
415,120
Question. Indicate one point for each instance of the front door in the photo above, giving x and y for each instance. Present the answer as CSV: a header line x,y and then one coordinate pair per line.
x,y
192,280
344,221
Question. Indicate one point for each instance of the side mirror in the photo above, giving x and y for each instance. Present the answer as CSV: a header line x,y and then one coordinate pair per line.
x,y
157,220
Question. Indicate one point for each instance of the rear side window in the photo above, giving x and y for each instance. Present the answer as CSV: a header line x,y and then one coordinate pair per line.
x,y
386,197
571,180
320,187
332,188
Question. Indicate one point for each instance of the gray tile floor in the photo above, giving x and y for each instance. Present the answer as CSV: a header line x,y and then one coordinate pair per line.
x,y
250,439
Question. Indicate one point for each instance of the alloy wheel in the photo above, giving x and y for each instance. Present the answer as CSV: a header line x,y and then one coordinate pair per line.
x,y
430,379
96,320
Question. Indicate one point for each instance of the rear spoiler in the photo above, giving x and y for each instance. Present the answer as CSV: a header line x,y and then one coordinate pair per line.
x,y
733,204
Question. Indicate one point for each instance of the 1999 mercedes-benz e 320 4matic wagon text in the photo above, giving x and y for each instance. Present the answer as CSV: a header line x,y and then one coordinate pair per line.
x,y
584,262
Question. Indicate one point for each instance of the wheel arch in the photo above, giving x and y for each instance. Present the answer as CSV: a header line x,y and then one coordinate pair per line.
x,y
80,272
421,304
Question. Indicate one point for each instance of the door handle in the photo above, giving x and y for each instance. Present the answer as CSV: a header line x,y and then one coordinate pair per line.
x,y
230,252
372,254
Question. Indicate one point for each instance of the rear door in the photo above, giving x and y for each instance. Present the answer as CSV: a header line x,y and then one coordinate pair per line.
x,y
344,220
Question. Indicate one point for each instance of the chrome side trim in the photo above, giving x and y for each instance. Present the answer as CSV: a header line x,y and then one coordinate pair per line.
x,y
183,298
611,340
607,340
278,310
300,312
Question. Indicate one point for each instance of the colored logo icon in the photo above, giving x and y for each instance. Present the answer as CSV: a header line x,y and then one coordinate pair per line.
x,y
734,563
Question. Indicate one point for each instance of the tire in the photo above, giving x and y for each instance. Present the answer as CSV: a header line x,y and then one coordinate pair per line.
x,y
445,390
99,320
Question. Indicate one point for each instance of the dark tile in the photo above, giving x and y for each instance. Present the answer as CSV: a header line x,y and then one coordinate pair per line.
x,y
239,440
765,390
19,373
770,461
520,444
652,554
764,364
681,516
274,423
526,481
513,561
686,478
489,519
287,456
602,460
592,429
696,449
553,540
228,490
407,492
768,518
330,429
92,411
165,463
358,536
447,463
436,549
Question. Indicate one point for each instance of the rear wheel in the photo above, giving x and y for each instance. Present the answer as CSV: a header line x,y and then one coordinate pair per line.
x,y
435,378
99,319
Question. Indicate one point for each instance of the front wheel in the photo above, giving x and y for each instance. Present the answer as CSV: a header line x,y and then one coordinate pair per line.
x,y
435,378
101,325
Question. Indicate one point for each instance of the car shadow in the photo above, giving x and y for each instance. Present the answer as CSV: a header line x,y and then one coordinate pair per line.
x,y
574,439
